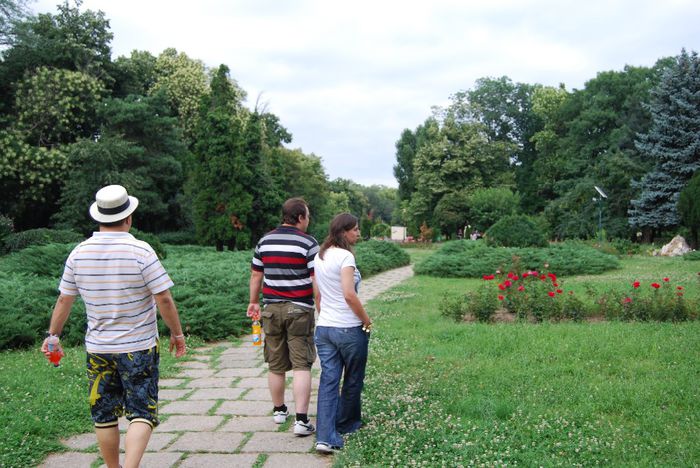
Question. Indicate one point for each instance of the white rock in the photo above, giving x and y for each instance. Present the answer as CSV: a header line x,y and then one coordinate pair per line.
x,y
677,246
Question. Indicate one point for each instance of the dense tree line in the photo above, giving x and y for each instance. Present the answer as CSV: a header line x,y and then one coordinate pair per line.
x,y
173,131
504,147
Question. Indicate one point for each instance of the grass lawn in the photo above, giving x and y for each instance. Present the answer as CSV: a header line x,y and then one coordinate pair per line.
x,y
440,393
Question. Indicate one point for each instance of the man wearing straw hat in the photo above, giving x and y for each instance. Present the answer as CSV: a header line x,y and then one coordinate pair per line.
x,y
121,281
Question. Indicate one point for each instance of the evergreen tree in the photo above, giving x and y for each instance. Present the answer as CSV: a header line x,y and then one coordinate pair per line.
x,y
672,143
689,207
221,183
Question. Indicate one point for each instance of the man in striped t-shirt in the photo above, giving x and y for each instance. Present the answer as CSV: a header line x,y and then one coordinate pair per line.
x,y
283,267
120,280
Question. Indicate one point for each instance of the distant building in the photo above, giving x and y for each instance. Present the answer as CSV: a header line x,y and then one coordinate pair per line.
x,y
398,233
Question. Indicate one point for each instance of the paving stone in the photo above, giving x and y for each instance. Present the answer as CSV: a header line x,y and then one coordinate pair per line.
x,y
312,407
201,357
172,394
263,394
216,394
190,423
285,460
207,460
196,373
239,372
69,460
270,442
245,408
155,459
252,382
80,441
227,362
170,382
194,365
250,424
188,407
246,350
207,442
210,382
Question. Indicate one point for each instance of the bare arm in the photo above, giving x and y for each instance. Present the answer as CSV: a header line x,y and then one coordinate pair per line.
x,y
168,310
256,279
317,294
60,314
347,281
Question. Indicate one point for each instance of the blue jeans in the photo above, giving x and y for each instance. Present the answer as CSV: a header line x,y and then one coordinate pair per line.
x,y
341,351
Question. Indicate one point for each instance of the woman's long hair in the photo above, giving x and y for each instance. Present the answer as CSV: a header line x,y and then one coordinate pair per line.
x,y
336,233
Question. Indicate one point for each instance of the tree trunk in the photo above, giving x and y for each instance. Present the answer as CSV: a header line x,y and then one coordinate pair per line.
x,y
219,246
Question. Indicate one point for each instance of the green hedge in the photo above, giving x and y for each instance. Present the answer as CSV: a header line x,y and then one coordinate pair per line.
x,y
473,259
515,231
17,241
211,290
375,256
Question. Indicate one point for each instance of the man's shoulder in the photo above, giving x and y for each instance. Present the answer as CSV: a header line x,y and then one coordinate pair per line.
x,y
284,233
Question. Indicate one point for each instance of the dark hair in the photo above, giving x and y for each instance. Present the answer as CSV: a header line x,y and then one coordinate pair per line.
x,y
114,223
339,226
292,209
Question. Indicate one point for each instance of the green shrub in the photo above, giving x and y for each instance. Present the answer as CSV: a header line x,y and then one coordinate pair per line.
x,y
453,306
469,259
693,256
381,230
152,240
482,304
374,256
38,260
515,231
42,236
178,238
6,227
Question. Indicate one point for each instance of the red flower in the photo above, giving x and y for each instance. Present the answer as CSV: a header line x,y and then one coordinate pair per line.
x,y
515,278
627,300
500,297
502,287
510,274
552,276
667,280
655,285
559,291
680,288
488,277
635,285
679,294
526,274
543,277
556,285
551,293
521,288
507,283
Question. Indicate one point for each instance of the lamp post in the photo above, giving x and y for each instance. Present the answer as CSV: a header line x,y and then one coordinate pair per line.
x,y
600,211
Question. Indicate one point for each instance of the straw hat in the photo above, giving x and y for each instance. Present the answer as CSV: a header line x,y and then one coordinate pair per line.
x,y
112,204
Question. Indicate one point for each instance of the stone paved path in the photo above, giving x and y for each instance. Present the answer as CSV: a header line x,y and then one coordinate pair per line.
x,y
217,411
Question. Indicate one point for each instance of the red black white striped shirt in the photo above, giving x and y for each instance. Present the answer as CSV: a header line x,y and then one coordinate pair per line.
x,y
286,257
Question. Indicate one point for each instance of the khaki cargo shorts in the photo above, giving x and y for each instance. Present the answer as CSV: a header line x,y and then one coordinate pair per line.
x,y
289,336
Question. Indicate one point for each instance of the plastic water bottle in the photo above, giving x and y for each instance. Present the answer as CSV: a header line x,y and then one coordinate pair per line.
x,y
257,333
54,350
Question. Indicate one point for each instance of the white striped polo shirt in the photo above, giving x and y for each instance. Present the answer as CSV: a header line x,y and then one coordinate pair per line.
x,y
116,275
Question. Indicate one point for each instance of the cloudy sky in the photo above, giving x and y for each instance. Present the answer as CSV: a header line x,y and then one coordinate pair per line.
x,y
346,78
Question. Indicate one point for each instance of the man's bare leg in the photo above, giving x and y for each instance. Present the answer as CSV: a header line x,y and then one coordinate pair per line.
x,y
302,390
137,437
276,384
108,440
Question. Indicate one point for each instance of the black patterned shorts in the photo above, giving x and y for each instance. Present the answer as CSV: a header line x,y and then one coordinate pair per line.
x,y
123,384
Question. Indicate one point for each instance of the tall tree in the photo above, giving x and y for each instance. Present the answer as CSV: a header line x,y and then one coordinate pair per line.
x,y
221,184
71,40
12,12
689,207
672,144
